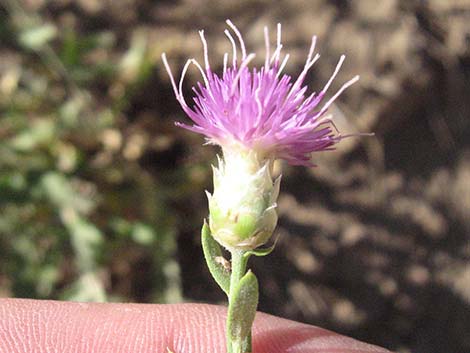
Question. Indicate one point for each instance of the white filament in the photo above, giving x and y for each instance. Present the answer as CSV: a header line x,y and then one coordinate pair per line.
x,y
206,54
234,47
240,38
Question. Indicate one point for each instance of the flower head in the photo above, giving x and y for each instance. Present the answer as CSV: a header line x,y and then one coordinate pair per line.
x,y
261,110
256,116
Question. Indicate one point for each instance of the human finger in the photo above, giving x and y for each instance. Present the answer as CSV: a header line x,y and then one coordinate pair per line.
x,y
36,326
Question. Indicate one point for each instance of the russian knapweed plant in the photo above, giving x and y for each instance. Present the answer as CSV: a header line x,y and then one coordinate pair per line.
x,y
256,115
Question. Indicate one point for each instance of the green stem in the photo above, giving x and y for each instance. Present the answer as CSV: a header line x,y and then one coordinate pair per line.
x,y
239,262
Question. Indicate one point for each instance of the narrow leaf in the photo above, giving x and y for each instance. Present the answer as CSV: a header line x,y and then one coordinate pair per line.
x,y
242,309
213,256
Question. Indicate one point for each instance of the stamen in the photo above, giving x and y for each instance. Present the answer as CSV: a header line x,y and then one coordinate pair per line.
x,y
305,102
183,73
338,66
204,77
225,63
283,64
240,38
234,47
240,71
276,54
206,55
168,70
299,80
251,125
332,99
259,106
278,34
278,42
266,42
312,48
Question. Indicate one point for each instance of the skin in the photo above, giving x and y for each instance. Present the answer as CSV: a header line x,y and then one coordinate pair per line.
x,y
28,326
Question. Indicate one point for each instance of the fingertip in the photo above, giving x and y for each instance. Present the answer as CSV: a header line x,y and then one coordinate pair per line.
x,y
277,335
28,326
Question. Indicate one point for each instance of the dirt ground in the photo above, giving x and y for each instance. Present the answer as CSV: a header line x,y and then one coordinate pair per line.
x,y
374,242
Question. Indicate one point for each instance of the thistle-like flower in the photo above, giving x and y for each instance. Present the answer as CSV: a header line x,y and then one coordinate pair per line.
x,y
256,116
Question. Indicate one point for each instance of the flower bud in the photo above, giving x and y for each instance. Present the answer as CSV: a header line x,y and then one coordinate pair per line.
x,y
243,206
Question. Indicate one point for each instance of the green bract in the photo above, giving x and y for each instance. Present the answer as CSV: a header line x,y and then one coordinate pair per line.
x,y
243,206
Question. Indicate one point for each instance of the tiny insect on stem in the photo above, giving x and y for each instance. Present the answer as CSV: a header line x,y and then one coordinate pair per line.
x,y
224,263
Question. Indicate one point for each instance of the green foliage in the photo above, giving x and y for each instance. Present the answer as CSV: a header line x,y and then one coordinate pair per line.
x,y
214,259
241,314
78,211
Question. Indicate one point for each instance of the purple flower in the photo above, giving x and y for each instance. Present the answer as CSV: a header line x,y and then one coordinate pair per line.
x,y
260,109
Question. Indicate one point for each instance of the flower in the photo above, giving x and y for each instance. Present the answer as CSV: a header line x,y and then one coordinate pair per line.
x,y
256,116
260,110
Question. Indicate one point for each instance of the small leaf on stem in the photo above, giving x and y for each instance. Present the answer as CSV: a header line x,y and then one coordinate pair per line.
x,y
242,310
212,255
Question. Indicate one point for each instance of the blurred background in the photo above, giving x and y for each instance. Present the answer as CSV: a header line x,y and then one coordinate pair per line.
x,y
102,197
